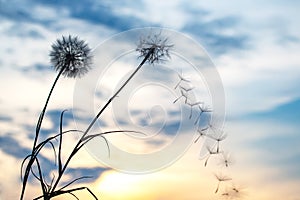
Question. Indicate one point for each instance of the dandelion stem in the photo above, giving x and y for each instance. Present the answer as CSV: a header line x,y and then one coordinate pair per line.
x,y
77,147
37,131
120,89
40,120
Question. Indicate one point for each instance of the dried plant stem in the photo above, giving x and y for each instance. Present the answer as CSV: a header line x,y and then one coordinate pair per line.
x,y
41,117
37,131
79,145
120,89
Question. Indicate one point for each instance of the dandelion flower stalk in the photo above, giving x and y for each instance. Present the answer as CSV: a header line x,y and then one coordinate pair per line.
x,y
71,57
153,50
37,131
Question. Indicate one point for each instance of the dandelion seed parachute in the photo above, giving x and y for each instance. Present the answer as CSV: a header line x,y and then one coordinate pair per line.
x,y
71,55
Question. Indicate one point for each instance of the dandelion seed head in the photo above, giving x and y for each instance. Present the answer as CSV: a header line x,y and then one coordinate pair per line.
x,y
71,55
157,46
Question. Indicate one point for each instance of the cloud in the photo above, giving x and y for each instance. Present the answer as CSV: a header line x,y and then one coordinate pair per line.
x,y
78,172
15,11
218,35
25,31
5,118
278,140
283,113
271,146
48,12
12,147
37,68
281,151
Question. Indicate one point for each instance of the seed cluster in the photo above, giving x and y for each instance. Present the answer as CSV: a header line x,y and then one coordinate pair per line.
x,y
71,55
156,45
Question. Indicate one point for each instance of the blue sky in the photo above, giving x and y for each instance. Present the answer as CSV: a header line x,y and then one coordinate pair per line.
x,y
254,46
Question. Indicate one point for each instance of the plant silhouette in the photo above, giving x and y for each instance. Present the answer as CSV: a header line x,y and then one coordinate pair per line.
x,y
72,58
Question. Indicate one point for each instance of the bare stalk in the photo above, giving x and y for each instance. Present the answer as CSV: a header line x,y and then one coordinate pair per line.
x,y
37,131
78,145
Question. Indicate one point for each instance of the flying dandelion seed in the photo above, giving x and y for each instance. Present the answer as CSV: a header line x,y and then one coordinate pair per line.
x,y
202,109
183,95
72,56
226,159
202,133
221,178
186,89
192,105
158,47
211,152
233,192
181,79
218,138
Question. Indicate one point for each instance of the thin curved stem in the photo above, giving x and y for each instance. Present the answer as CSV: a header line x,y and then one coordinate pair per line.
x,y
75,150
42,114
116,94
37,130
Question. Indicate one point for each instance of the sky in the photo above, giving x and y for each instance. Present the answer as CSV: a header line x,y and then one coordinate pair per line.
x,y
252,46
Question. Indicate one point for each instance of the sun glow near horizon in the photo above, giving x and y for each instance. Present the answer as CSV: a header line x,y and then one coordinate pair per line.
x,y
117,185
176,182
